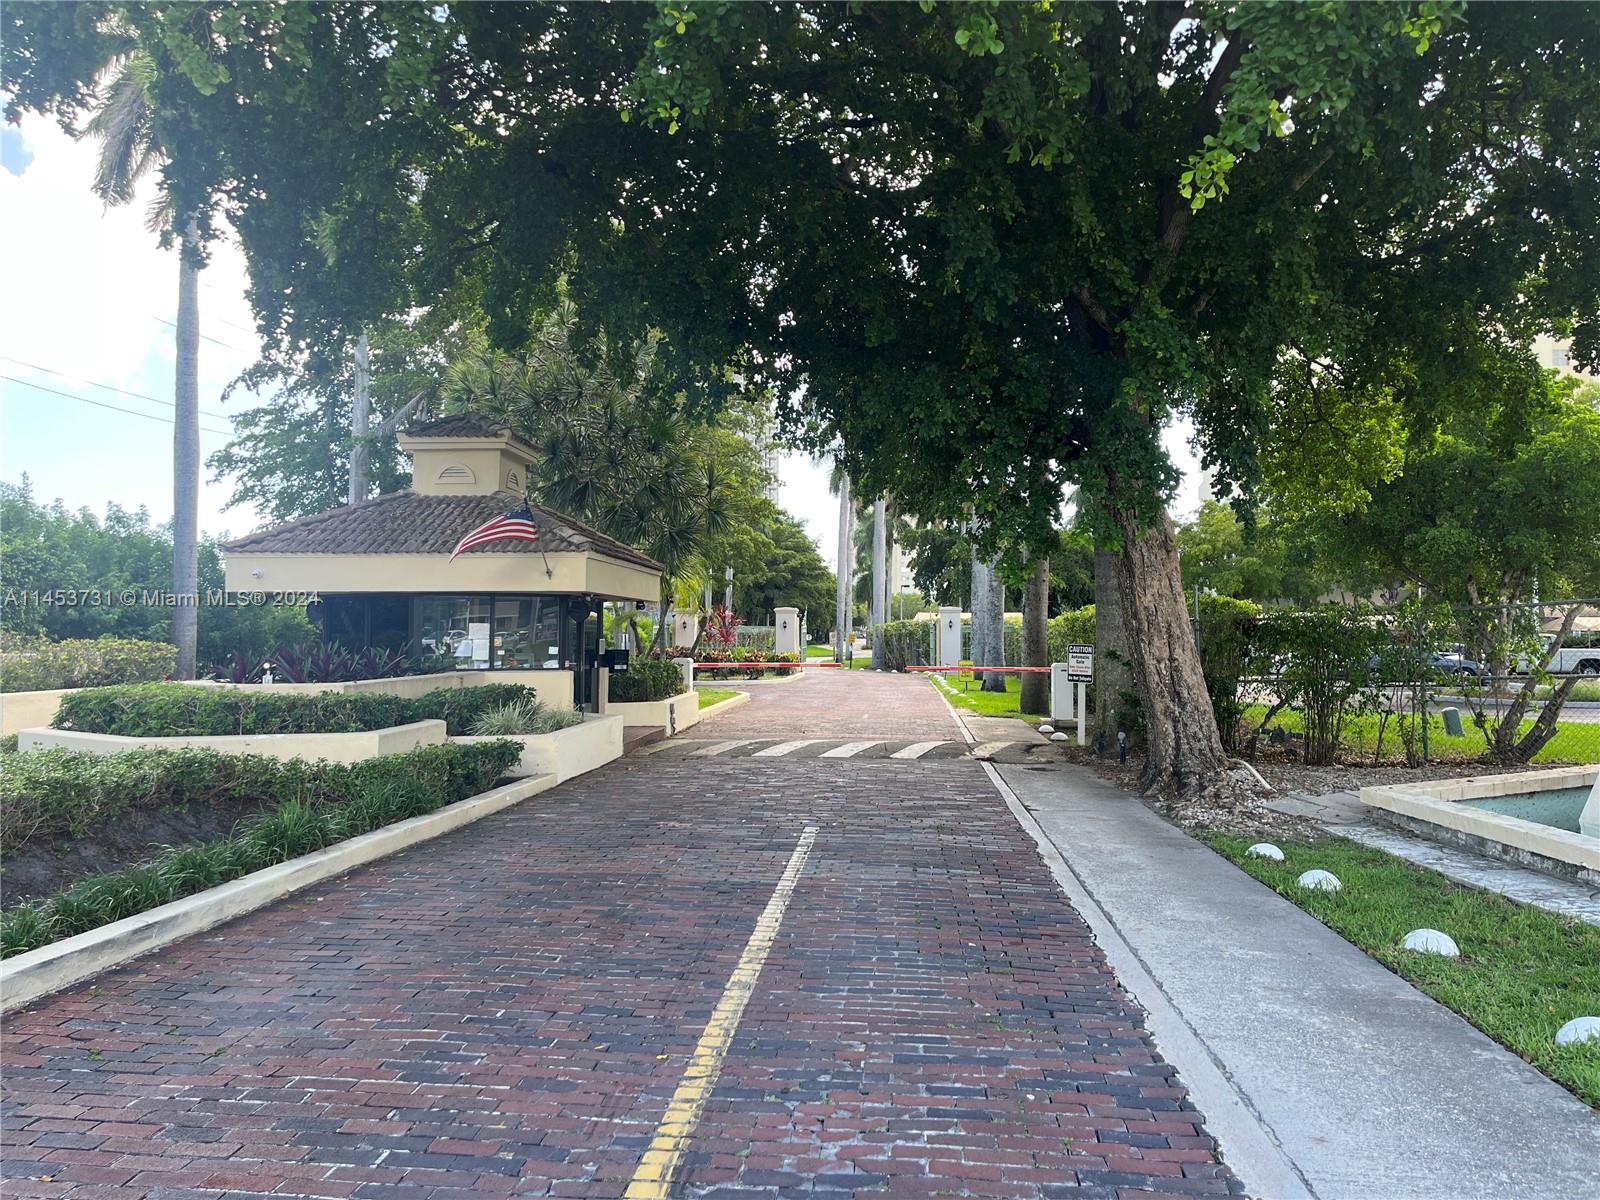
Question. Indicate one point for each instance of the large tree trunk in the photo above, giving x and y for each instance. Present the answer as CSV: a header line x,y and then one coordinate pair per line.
x,y
1183,752
1115,689
186,457
979,648
841,611
880,580
1036,638
360,421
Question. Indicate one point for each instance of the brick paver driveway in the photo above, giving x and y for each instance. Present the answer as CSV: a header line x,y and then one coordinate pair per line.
x,y
508,1010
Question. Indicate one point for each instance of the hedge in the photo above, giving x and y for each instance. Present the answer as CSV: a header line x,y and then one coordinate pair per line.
x,y
646,679
182,710
38,664
746,661
53,793
332,802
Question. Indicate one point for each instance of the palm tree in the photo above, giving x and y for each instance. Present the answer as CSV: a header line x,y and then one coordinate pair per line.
x,y
130,145
842,594
880,579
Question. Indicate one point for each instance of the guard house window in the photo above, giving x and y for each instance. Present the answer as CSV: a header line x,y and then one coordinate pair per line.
x,y
458,626
527,632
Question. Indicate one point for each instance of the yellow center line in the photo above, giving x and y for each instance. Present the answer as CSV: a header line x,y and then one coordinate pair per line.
x,y
652,1180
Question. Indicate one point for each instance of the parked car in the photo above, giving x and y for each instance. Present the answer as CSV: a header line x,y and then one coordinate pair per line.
x,y
1579,654
1452,663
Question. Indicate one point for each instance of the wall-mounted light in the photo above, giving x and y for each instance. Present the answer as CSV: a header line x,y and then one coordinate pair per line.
x,y
256,574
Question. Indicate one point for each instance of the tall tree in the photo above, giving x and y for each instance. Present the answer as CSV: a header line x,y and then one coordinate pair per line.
x,y
1036,637
841,611
880,579
131,145
990,249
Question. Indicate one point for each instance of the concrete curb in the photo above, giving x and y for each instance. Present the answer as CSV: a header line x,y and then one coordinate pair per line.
x,y
1243,1140
37,973
733,701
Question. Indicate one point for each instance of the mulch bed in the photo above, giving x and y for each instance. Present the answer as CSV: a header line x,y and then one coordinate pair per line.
x,y
48,865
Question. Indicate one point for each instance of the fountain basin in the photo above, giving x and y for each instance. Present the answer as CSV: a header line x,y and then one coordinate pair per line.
x,y
1538,819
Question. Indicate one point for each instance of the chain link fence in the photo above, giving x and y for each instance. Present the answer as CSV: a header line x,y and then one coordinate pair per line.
x,y
1412,683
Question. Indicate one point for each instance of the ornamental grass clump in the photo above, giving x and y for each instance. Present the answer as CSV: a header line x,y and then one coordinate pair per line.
x,y
524,717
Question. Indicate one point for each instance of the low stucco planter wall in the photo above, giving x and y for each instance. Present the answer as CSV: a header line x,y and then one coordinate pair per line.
x,y
566,753
674,714
334,747
26,977
29,710
25,710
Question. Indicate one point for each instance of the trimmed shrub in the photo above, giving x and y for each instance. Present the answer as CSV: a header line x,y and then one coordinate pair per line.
x,y
38,664
52,793
357,798
906,643
182,710
646,679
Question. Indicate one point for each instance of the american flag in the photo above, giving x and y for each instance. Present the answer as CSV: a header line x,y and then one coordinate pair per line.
x,y
514,526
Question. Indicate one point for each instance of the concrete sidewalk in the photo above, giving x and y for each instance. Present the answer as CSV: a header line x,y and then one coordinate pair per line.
x,y
1369,1088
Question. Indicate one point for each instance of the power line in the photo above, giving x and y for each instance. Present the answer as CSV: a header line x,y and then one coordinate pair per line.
x,y
108,387
208,338
132,412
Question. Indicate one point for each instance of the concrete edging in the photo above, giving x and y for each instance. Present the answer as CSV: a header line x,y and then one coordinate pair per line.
x,y
733,701
28,977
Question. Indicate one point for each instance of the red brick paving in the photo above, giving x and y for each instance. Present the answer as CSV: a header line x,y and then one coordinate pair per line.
x,y
507,1010
833,702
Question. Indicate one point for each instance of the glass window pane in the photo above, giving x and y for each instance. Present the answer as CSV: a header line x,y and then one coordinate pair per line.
x,y
455,625
513,632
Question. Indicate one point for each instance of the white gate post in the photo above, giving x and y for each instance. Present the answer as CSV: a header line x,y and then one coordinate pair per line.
x,y
949,637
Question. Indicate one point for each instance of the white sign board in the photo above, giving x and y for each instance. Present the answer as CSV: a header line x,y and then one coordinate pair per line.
x,y
1080,662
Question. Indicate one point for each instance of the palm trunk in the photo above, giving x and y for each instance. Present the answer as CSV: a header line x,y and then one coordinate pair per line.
x,y
880,580
186,457
979,649
1115,689
1036,638
360,421
841,611
994,607
1183,749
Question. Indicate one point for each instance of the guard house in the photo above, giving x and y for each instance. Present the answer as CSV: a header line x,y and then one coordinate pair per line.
x,y
383,577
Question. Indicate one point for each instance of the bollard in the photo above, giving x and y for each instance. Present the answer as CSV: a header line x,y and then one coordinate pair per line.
x,y
1122,747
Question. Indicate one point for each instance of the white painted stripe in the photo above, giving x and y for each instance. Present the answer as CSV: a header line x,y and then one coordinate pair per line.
x,y
652,1178
988,749
720,748
917,750
783,748
849,749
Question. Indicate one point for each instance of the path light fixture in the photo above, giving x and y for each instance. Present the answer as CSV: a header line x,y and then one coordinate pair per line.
x,y
1579,1029
1431,941
1320,881
1265,850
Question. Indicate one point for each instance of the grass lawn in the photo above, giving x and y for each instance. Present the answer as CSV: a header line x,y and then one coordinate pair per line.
x,y
710,696
1574,742
819,651
962,691
1522,974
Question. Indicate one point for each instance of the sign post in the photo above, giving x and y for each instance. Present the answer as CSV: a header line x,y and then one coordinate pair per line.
x,y
1080,670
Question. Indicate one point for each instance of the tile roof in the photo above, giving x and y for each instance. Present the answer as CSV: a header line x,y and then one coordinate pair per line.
x,y
408,523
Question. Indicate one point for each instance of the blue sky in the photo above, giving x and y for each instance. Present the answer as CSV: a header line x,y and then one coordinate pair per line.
x,y
86,339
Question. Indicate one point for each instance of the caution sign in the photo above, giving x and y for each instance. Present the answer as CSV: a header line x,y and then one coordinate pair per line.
x,y
1080,663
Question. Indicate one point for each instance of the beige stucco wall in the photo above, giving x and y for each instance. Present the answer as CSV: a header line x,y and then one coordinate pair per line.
x,y
411,573
566,752
674,714
334,747
24,710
